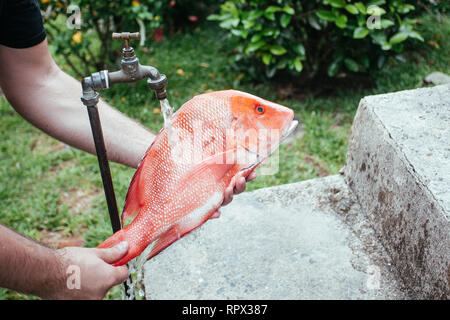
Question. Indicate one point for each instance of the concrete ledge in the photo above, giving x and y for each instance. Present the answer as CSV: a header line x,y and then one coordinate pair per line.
x,y
305,240
398,166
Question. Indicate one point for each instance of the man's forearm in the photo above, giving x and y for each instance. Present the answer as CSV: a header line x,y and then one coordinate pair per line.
x,y
50,99
66,118
27,266
57,110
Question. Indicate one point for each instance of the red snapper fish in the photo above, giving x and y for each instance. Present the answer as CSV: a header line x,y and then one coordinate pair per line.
x,y
180,183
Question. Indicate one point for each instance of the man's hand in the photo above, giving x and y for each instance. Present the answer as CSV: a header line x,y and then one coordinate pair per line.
x,y
96,273
29,267
237,186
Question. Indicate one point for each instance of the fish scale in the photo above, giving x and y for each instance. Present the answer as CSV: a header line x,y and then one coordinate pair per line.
x,y
181,183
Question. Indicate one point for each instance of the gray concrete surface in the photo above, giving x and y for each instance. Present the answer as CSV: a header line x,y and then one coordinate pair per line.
x,y
306,240
398,166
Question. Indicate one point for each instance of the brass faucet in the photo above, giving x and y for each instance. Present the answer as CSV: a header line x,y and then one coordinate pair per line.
x,y
131,71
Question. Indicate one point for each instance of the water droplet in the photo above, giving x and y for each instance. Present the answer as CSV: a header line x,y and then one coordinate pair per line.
x,y
136,274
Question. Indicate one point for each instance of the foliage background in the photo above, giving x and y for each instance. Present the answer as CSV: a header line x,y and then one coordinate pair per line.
x,y
317,37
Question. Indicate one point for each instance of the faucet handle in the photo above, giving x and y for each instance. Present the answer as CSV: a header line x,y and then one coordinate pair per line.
x,y
126,36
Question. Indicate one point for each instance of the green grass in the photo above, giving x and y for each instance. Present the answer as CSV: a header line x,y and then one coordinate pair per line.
x,y
46,188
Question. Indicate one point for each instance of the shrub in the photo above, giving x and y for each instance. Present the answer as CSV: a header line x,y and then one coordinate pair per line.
x,y
102,17
317,37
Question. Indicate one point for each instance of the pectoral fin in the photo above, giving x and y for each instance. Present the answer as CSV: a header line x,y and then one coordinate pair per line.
x,y
212,170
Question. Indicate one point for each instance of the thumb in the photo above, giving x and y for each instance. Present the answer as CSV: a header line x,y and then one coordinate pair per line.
x,y
111,255
251,176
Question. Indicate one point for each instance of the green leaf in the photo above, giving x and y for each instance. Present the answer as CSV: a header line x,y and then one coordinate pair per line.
x,y
351,65
398,37
266,57
273,9
230,7
248,23
376,3
256,38
415,35
255,46
361,7
341,21
255,14
385,23
401,58
360,32
326,15
375,10
284,20
405,8
337,3
240,33
268,32
298,65
406,28
271,32
313,22
379,38
386,46
333,68
214,17
289,10
269,15
299,49
351,8
227,24
271,72
380,62
277,50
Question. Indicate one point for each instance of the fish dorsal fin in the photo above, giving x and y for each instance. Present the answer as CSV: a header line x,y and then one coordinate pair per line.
x,y
133,201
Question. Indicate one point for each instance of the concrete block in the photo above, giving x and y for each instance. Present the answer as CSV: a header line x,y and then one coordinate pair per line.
x,y
305,240
398,166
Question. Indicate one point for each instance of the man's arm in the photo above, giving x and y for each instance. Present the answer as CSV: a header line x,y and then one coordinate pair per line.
x,y
31,268
50,99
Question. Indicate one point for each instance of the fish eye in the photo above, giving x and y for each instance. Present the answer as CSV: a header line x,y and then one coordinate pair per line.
x,y
259,109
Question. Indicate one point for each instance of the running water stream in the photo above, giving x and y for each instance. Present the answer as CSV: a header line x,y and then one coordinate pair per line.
x,y
136,289
135,284
167,112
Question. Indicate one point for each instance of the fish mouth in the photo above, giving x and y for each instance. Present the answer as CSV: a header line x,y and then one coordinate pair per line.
x,y
292,126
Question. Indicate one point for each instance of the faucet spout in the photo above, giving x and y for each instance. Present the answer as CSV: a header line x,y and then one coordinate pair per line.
x,y
155,80
132,71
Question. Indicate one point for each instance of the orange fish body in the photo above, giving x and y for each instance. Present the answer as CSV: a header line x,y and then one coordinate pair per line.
x,y
181,181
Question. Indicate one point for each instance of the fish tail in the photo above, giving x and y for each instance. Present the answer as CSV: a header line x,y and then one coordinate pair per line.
x,y
115,239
